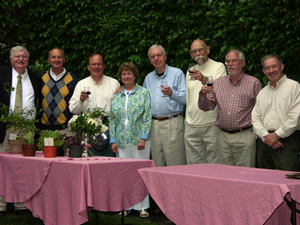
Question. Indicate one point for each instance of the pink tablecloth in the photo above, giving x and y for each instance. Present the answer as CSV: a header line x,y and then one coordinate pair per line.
x,y
60,190
220,194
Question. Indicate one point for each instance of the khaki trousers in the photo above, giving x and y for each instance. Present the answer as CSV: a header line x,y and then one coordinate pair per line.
x,y
238,149
201,144
167,142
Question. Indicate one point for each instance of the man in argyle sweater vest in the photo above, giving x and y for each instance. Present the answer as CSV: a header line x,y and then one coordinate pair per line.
x,y
57,89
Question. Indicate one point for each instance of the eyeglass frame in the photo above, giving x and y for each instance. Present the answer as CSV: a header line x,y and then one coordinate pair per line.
x,y
233,61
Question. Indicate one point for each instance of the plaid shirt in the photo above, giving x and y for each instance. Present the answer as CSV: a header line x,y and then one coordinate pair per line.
x,y
234,101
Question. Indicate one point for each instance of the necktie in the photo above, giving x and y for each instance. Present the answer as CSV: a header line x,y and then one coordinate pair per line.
x,y
18,100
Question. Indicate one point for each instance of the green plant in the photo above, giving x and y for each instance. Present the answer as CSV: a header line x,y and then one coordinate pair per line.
x,y
58,139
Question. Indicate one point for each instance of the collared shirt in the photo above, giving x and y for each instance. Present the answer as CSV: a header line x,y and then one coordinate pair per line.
x,y
59,76
172,104
130,117
277,109
195,116
27,92
234,101
101,94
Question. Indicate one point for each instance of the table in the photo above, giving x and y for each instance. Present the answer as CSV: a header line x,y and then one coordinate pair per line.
x,y
220,194
61,190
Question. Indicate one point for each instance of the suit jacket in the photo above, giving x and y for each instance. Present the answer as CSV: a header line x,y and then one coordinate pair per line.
x,y
5,83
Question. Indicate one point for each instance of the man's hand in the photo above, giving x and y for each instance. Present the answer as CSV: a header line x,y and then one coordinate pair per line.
x,y
114,147
118,90
271,138
84,96
197,75
166,90
205,89
277,144
141,144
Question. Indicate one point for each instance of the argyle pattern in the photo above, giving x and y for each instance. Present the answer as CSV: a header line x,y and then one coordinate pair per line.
x,y
56,96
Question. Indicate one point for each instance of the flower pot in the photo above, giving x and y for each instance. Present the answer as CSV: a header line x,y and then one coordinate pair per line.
x,y
60,151
29,150
75,151
15,146
50,151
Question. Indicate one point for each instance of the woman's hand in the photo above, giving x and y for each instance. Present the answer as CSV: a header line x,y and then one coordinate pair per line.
x,y
114,147
141,144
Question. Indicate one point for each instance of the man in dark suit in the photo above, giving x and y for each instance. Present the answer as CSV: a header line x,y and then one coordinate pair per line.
x,y
31,95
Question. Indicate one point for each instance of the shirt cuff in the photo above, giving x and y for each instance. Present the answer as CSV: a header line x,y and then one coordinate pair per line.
x,y
112,140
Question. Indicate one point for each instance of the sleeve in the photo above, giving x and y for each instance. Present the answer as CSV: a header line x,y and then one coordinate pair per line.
x,y
256,119
146,125
221,71
179,95
207,102
292,123
75,105
112,123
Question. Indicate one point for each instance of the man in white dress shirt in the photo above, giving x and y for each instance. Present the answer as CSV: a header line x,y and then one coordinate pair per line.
x,y
275,118
102,90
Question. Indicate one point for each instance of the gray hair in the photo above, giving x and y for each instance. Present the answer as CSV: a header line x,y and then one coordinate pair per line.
x,y
17,49
278,58
239,53
156,46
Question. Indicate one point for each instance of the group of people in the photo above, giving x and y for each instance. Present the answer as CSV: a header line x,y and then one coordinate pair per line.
x,y
232,122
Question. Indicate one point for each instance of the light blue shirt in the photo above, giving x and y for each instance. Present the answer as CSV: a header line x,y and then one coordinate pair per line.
x,y
169,105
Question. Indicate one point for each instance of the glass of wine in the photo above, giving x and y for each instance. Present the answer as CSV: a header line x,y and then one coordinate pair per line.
x,y
191,66
209,81
164,83
87,90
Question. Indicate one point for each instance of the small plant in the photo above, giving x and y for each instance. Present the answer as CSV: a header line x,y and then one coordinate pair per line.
x,y
72,141
58,139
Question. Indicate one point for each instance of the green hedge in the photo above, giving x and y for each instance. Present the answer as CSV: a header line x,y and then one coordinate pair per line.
x,y
124,30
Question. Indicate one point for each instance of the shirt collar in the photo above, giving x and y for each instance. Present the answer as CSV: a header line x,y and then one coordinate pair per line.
x,y
278,83
59,76
238,81
134,90
165,73
24,75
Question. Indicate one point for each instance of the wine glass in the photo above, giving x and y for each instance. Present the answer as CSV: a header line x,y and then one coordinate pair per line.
x,y
209,81
191,66
164,83
87,90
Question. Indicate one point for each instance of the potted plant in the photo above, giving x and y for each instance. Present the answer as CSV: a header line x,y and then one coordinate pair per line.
x,y
49,141
22,128
88,125
75,146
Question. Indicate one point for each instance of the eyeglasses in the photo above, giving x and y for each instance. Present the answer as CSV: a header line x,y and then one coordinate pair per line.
x,y
200,50
234,61
96,64
269,67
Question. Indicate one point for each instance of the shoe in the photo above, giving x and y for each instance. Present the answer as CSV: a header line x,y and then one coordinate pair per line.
x,y
144,213
157,212
126,213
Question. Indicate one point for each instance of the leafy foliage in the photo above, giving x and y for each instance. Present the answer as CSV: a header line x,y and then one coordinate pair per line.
x,y
124,30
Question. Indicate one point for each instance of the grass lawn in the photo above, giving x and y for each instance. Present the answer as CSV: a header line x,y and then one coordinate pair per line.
x,y
104,219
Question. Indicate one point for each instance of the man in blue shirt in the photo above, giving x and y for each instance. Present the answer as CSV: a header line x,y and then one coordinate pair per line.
x,y
167,104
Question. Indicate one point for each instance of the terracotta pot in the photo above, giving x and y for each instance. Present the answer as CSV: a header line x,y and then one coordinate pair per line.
x,y
15,146
75,151
29,150
50,151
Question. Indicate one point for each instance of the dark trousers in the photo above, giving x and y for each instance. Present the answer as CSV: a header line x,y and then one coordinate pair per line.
x,y
286,158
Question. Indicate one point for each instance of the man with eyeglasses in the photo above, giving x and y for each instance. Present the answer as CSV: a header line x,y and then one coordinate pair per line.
x,y
235,97
57,90
276,118
200,131
101,92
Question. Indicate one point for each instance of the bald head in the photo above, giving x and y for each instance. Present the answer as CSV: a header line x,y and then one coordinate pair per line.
x,y
199,51
56,59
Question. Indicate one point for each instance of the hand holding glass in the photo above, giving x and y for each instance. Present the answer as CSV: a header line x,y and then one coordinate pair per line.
x,y
191,66
87,90
164,83
209,81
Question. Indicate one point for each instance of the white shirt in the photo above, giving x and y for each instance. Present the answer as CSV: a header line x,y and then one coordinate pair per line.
x,y
277,109
101,95
195,116
59,76
27,92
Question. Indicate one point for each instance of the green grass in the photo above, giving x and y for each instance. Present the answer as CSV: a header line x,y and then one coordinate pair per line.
x,y
104,219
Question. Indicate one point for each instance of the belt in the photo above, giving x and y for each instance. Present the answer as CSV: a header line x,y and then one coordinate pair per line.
x,y
236,131
160,118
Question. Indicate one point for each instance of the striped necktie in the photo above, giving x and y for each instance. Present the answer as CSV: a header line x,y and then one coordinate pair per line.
x,y
18,100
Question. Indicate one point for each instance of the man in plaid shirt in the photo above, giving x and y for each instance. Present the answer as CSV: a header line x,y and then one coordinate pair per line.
x,y
235,96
